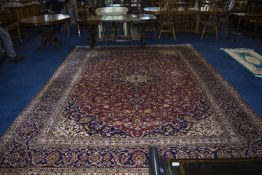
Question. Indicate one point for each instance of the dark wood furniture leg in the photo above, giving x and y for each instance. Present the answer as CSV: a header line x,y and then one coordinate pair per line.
x,y
142,34
92,35
48,35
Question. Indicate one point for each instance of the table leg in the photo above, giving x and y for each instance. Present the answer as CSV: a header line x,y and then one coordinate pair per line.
x,y
78,29
48,35
114,31
197,29
125,29
92,35
67,28
142,34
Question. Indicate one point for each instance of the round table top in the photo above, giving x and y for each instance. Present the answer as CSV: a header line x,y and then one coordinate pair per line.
x,y
142,17
111,11
138,18
152,10
41,20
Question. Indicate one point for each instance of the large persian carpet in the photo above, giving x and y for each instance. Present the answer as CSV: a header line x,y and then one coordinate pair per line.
x,y
248,58
103,107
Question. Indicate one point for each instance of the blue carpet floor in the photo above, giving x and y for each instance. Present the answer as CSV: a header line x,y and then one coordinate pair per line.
x,y
20,82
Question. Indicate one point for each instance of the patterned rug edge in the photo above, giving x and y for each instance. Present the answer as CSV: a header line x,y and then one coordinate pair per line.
x,y
100,171
77,171
38,95
231,89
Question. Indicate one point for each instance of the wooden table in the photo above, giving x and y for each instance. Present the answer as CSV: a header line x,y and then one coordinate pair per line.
x,y
242,15
24,9
3,14
48,20
197,12
10,23
94,20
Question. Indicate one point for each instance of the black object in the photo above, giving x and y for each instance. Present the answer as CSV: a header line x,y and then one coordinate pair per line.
x,y
223,167
154,161
159,165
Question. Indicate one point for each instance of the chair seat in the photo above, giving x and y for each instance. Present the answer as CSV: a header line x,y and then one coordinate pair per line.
x,y
213,24
13,27
209,23
166,23
255,22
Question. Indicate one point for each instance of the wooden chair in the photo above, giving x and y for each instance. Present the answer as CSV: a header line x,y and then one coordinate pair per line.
x,y
254,22
82,11
210,22
240,6
167,17
219,21
184,22
11,24
14,29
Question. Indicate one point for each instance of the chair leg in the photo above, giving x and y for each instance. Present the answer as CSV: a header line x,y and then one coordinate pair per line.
x,y
173,31
160,32
125,29
131,30
203,32
155,31
100,30
78,29
19,33
67,24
